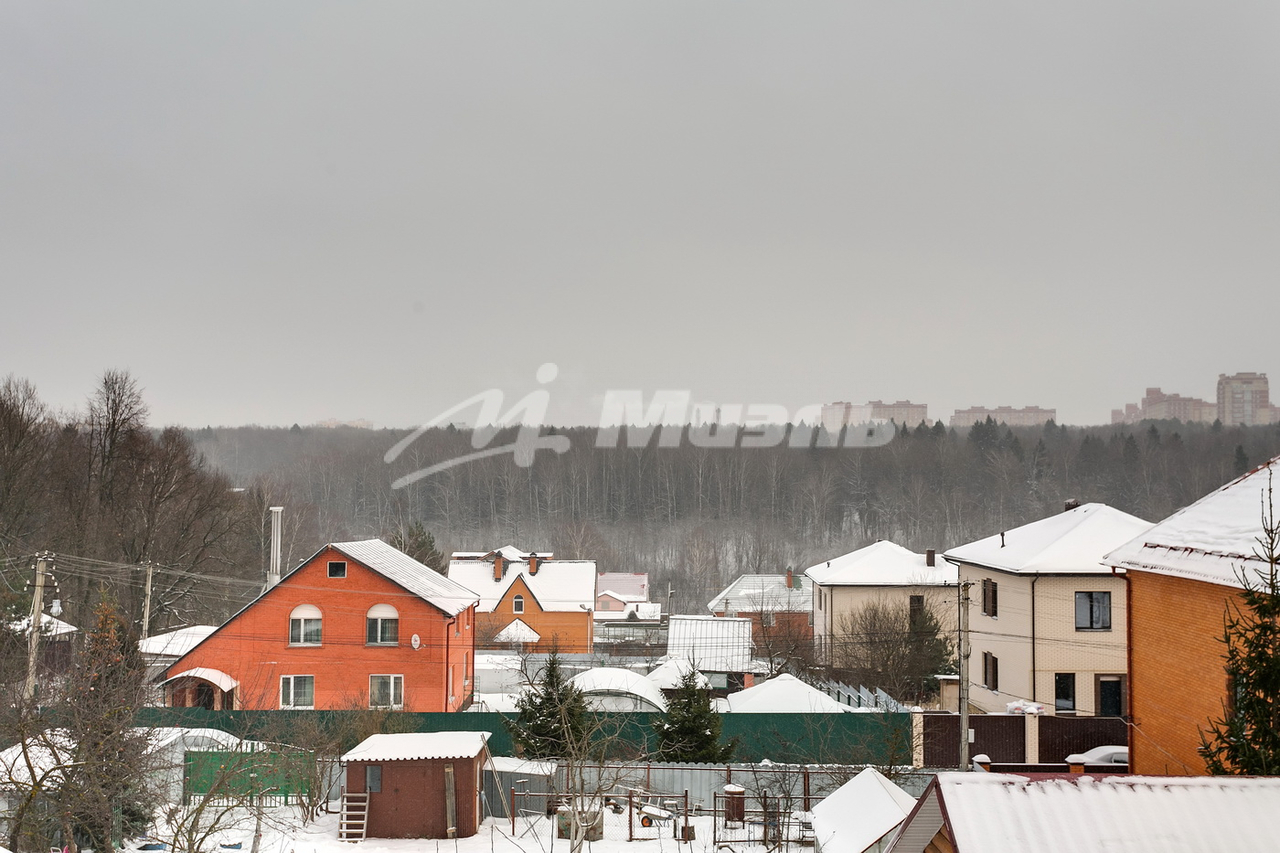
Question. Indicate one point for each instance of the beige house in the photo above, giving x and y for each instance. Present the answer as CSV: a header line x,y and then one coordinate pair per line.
x,y
881,572
1047,619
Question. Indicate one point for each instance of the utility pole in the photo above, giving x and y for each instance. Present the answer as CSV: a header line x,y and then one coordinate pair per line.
x,y
964,674
33,630
146,605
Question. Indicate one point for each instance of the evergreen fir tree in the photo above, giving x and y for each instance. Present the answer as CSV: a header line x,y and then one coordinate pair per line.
x,y
690,730
1241,461
1246,740
551,719
419,544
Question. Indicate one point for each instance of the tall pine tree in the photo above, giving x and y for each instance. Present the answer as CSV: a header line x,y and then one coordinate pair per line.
x,y
551,719
1246,740
690,730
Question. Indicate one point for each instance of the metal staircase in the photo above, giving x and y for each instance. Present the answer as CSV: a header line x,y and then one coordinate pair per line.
x,y
354,819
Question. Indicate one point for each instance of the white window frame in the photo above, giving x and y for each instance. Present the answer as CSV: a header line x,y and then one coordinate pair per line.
x,y
380,615
395,686
337,569
289,688
1092,606
517,604
301,616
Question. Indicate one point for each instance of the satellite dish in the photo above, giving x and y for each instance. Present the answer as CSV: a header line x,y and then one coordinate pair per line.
x,y
415,641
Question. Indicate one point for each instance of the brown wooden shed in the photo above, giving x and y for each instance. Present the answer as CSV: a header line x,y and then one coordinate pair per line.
x,y
414,785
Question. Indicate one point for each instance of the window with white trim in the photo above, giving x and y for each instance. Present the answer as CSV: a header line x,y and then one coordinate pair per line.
x,y
517,604
337,568
386,691
304,625
382,626
297,691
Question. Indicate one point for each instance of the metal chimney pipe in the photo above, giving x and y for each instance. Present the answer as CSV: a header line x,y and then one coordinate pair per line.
x,y
273,570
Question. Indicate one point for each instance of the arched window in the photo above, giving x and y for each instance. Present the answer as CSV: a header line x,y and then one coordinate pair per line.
x,y
382,625
517,604
304,625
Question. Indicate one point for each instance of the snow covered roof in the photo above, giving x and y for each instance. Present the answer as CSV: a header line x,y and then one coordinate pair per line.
x,y
764,594
633,584
883,563
1006,813
860,812
447,595
1211,540
517,631
1072,542
176,643
418,746
484,703
49,626
711,643
667,675
216,677
558,585
621,596
523,766
617,681
783,694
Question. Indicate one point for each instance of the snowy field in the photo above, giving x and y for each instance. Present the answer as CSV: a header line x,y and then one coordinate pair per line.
x,y
283,832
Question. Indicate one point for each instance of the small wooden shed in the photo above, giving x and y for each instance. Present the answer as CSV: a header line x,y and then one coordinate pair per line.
x,y
414,785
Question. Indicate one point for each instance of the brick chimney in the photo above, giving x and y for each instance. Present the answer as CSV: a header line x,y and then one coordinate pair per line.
x,y
533,563
791,583
498,568
930,558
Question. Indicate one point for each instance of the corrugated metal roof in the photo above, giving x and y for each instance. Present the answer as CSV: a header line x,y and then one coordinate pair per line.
x,y
424,582
1006,813
418,746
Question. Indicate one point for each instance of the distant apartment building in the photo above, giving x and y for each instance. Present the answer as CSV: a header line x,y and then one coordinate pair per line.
x,y
1244,398
838,415
1159,406
1026,416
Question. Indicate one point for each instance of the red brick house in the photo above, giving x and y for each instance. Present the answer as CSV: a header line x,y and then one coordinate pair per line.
x,y
358,625
529,600
1183,574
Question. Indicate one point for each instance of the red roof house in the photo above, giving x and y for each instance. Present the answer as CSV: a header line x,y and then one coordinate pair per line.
x,y
358,625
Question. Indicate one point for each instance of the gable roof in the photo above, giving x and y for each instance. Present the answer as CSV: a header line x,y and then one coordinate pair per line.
x,y
558,585
517,631
883,563
765,594
783,694
860,812
1072,542
1213,539
176,643
446,595
1006,813
382,559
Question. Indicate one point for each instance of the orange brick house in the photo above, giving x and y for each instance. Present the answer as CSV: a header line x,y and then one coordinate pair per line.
x,y
358,625
528,600
780,608
1182,576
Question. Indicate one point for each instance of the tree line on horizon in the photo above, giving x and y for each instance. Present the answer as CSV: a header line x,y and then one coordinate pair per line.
x,y
108,492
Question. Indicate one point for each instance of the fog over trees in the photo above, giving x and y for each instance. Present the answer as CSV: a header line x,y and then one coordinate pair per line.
x,y
108,491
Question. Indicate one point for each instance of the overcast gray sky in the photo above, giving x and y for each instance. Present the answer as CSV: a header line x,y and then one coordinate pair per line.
x,y
284,212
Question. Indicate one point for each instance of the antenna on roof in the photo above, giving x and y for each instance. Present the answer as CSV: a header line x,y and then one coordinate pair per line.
x,y
1002,539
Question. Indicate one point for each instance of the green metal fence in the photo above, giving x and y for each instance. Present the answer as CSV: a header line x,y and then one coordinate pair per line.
x,y
870,738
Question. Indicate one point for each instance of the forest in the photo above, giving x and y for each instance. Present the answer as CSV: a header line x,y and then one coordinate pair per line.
x,y
111,494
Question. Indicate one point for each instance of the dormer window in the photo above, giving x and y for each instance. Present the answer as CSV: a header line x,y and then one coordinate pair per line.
x,y
337,568
304,625
517,604
382,625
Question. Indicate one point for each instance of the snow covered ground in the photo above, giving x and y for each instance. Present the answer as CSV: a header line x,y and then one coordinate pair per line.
x,y
283,832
